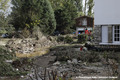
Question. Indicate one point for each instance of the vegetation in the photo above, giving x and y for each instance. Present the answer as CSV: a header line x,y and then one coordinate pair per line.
x,y
79,6
82,38
6,69
60,39
65,17
31,17
68,53
90,8
66,39
33,13
4,5
4,20
5,25
56,4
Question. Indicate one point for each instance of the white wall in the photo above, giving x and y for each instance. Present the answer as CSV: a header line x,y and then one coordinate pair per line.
x,y
107,12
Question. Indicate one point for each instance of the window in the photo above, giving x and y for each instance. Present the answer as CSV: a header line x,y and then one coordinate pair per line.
x,y
117,33
84,22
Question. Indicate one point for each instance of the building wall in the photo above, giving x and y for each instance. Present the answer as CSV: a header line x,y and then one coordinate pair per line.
x,y
107,12
97,34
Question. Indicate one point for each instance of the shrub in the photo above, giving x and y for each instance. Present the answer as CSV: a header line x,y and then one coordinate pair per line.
x,y
112,55
6,69
21,62
89,57
68,53
26,33
82,38
68,39
60,39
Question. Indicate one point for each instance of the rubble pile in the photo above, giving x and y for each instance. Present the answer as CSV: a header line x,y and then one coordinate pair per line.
x,y
21,46
29,45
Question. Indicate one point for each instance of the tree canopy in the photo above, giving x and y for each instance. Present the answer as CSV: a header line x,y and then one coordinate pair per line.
x,y
88,9
65,17
27,13
4,4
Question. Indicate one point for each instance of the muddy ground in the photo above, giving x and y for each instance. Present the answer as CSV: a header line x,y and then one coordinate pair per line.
x,y
70,62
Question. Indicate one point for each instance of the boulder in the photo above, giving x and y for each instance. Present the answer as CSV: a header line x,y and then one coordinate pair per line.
x,y
57,63
69,61
75,61
85,49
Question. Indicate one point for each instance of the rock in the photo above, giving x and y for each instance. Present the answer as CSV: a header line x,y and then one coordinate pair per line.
x,y
22,76
69,61
85,49
75,61
80,61
57,63
54,67
88,42
9,61
77,49
85,63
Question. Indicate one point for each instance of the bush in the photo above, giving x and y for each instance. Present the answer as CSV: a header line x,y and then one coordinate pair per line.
x,y
60,39
65,53
26,33
6,69
82,38
90,57
68,39
22,62
112,55
68,53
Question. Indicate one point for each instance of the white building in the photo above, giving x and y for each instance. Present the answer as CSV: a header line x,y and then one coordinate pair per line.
x,y
107,21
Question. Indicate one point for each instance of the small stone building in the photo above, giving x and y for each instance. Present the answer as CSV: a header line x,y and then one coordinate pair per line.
x,y
107,22
84,22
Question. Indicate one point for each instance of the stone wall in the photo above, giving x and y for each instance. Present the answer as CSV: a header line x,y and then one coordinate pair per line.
x,y
97,34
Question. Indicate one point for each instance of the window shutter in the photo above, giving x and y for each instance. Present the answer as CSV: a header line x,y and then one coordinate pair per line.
x,y
110,34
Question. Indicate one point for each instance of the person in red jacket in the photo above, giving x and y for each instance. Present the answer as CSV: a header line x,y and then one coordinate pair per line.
x,y
86,32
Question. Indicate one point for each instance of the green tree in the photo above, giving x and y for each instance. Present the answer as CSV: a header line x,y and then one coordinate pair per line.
x,y
65,17
85,7
4,4
5,25
4,19
79,6
29,13
90,7
56,4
